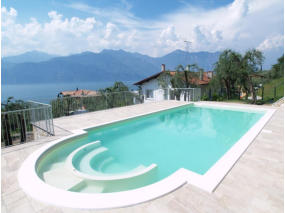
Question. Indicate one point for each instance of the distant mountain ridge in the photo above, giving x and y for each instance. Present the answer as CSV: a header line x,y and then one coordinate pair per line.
x,y
108,65
31,56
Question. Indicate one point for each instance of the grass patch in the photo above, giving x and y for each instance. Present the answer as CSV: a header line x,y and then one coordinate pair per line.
x,y
269,95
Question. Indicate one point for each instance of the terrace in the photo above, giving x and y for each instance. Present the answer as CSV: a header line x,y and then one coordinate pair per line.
x,y
254,184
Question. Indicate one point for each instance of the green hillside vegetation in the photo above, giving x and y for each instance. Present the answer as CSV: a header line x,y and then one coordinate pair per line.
x,y
240,77
274,86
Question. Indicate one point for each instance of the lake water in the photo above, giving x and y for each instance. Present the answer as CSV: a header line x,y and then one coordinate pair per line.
x,y
46,92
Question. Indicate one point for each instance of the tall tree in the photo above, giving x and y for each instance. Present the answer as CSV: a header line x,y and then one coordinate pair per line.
x,y
251,64
188,72
227,69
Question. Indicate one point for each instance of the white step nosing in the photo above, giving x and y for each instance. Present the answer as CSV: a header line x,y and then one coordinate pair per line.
x,y
104,163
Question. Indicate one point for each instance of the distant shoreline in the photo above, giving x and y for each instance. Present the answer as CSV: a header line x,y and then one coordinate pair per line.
x,y
46,92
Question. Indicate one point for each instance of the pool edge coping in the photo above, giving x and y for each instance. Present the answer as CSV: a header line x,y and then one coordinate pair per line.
x,y
208,182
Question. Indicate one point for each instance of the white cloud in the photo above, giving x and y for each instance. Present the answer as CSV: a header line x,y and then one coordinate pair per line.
x,y
241,25
116,15
8,16
110,30
58,36
54,15
272,42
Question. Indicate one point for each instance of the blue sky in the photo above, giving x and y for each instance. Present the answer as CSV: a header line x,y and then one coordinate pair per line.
x,y
145,9
152,27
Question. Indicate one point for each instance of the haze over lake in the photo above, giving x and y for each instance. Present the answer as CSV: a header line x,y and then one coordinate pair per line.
x,y
46,92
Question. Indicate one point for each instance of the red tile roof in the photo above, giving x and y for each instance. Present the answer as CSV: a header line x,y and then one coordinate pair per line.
x,y
79,93
206,79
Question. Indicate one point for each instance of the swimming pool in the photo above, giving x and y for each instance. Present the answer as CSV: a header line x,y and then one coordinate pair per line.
x,y
189,143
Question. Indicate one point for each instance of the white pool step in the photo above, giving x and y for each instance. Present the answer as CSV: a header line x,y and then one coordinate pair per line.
x,y
57,165
89,157
90,152
62,178
105,163
91,188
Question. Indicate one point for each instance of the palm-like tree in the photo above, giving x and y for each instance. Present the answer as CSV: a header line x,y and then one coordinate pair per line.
x,y
189,72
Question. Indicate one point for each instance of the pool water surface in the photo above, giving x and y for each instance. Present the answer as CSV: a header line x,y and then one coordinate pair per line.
x,y
190,137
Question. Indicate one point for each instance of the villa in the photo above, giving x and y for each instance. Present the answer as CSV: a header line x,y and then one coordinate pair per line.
x,y
153,91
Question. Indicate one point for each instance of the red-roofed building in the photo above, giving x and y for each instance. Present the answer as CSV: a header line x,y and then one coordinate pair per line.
x,y
78,93
152,90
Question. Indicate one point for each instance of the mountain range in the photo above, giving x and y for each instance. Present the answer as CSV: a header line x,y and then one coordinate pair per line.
x,y
108,65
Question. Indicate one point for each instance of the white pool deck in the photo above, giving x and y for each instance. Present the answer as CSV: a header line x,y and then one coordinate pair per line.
x,y
254,184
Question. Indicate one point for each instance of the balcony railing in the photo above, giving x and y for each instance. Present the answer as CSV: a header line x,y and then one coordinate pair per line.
x,y
20,126
65,106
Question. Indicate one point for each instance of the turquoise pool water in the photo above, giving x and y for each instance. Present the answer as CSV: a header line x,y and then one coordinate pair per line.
x,y
189,137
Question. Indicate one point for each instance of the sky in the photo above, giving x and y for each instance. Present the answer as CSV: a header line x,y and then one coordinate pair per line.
x,y
151,27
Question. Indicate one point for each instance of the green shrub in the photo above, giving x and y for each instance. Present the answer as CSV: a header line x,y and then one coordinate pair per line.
x,y
215,97
220,98
260,102
205,98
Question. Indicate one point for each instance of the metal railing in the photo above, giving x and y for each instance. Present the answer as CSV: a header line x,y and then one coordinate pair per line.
x,y
65,106
41,117
185,94
179,94
24,125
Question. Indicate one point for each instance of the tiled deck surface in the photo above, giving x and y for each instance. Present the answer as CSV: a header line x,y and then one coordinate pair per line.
x,y
255,183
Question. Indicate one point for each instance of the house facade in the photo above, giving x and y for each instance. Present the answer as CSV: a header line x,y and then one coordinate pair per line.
x,y
153,91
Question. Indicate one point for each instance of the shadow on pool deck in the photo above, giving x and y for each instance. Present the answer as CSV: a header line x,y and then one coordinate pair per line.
x,y
254,184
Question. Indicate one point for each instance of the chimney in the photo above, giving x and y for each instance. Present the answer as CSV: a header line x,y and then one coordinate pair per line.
x,y
162,67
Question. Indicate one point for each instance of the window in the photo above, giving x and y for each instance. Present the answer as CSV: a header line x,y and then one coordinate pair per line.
x,y
149,93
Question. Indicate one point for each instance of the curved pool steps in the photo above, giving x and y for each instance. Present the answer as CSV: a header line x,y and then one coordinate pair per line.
x,y
104,163
99,176
89,158
72,156
90,152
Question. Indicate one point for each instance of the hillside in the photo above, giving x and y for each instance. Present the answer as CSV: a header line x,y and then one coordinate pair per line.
x,y
269,89
32,56
108,65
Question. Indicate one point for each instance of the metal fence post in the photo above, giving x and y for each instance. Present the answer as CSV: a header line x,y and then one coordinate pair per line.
x,y
22,128
274,93
7,133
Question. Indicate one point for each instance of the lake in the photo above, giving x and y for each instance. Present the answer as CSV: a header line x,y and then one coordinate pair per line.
x,y
46,92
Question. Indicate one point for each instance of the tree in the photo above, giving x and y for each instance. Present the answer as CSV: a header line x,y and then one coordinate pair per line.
x,y
189,72
251,64
277,70
115,95
164,79
227,69
11,104
117,87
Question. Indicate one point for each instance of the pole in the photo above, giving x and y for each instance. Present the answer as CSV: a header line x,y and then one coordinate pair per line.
x,y
274,93
187,48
